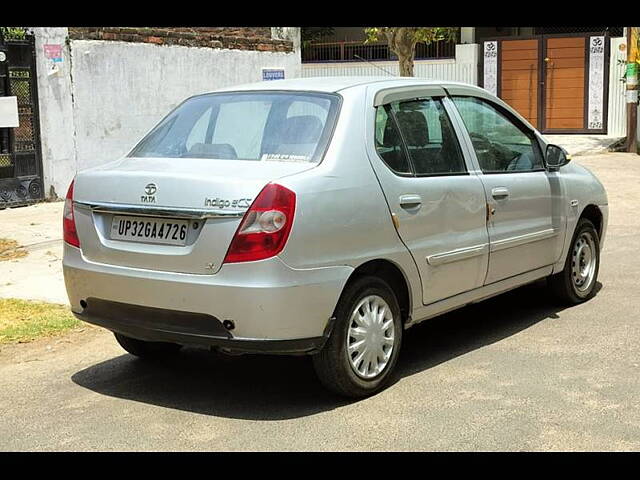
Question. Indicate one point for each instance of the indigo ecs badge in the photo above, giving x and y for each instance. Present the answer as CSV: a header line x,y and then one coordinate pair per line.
x,y
223,203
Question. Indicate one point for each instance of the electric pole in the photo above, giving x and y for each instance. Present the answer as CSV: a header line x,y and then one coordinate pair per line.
x,y
633,64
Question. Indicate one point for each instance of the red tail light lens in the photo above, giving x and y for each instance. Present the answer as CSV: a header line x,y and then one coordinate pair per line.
x,y
265,227
69,232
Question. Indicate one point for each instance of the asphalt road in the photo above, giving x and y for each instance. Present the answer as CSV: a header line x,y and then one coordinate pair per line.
x,y
512,373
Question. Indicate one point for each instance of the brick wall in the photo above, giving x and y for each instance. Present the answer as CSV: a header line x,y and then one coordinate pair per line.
x,y
239,38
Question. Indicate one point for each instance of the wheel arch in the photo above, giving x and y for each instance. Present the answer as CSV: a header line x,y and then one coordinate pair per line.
x,y
593,213
393,275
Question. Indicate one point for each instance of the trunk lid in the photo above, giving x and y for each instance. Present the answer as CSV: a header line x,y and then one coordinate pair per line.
x,y
188,189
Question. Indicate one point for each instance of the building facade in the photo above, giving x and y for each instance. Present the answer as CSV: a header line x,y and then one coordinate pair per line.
x,y
564,80
87,95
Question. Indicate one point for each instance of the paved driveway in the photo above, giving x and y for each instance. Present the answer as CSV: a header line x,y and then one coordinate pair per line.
x,y
512,373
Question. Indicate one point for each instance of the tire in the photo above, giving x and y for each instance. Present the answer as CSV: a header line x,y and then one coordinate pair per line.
x,y
143,349
334,368
569,286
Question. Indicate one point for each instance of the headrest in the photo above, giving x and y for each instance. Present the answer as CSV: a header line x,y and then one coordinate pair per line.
x,y
213,150
301,129
390,137
414,128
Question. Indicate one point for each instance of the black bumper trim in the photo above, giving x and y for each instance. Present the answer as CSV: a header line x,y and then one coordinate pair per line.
x,y
162,325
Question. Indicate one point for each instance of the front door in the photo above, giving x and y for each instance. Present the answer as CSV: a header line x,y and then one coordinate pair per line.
x,y
439,205
522,197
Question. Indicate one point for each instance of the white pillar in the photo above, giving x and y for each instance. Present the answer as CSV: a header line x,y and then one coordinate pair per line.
x,y
467,34
57,129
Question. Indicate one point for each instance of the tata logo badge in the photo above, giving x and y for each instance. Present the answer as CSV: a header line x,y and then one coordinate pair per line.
x,y
150,191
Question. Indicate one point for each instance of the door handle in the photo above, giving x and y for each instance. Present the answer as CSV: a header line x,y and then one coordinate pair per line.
x,y
410,201
499,192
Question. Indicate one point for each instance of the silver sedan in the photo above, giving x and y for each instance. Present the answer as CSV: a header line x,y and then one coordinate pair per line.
x,y
325,216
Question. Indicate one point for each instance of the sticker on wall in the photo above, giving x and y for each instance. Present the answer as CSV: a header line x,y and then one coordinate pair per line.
x,y
490,80
595,118
53,52
270,74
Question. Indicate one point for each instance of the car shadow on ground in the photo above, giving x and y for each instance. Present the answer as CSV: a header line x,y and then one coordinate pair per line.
x,y
261,387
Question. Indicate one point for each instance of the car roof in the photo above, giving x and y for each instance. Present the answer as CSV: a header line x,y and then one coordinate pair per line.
x,y
336,84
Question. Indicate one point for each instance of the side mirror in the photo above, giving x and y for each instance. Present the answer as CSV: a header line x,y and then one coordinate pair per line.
x,y
556,157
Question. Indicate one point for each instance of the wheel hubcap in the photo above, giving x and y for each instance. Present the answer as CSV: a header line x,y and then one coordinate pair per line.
x,y
370,337
583,260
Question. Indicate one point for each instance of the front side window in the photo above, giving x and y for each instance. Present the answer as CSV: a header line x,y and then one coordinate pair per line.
x,y
429,136
500,145
258,126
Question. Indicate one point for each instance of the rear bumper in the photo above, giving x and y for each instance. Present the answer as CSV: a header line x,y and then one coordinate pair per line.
x,y
275,308
160,325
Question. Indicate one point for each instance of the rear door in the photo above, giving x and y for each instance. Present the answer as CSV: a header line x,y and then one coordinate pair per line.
x,y
438,203
523,198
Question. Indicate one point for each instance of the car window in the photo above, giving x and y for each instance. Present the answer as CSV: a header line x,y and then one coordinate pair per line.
x,y
429,136
388,142
259,126
500,144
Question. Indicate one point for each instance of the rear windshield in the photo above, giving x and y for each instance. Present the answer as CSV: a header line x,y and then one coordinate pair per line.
x,y
259,126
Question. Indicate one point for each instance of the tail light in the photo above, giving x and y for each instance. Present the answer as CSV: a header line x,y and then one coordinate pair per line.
x,y
265,227
69,231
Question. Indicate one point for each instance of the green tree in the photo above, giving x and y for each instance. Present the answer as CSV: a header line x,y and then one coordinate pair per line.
x,y
402,41
309,35
13,33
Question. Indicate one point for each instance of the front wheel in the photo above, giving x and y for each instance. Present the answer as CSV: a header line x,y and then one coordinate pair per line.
x,y
577,281
361,353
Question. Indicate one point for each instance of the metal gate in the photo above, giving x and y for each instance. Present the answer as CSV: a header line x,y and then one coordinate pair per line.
x,y
558,82
20,151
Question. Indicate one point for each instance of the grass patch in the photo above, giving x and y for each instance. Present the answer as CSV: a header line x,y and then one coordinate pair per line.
x,y
23,321
10,250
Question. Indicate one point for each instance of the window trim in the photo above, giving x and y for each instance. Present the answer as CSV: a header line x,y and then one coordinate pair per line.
x,y
528,132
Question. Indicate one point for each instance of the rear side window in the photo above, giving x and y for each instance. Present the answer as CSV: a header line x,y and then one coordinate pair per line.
x,y
389,143
429,136
257,126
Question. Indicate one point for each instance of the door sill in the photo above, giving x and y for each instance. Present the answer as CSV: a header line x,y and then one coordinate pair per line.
x,y
476,295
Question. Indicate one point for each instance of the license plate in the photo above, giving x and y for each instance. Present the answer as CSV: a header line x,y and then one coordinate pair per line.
x,y
149,230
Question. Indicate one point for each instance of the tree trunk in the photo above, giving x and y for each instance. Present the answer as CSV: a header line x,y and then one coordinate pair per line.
x,y
406,66
401,42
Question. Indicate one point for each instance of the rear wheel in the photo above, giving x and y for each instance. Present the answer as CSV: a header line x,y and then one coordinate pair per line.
x,y
360,355
144,349
576,282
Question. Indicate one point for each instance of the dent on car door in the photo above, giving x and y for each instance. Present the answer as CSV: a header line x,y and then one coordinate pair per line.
x,y
524,199
439,206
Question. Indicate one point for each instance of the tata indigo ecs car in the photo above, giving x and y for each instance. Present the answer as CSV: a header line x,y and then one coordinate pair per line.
x,y
325,216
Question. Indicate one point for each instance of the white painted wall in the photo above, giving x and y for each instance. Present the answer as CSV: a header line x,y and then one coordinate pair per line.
x,y
464,68
108,94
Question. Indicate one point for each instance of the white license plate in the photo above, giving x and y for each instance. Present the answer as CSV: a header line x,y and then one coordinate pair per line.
x,y
165,231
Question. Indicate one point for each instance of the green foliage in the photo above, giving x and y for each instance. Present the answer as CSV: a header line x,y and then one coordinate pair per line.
x,y
13,33
415,34
309,35
402,41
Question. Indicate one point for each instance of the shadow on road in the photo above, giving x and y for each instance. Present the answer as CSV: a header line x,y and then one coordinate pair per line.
x,y
260,387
